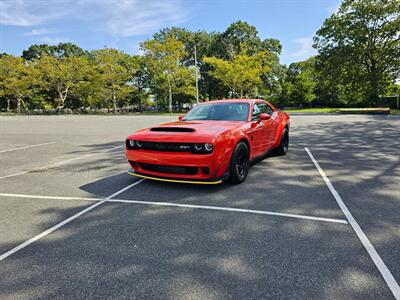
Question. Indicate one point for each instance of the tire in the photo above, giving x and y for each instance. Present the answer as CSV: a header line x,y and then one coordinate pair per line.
x,y
283,147
239,165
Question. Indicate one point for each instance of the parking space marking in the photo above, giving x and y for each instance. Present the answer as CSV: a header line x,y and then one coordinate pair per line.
x,y
57,164
181,205
66,221
387,275
48,197
26,147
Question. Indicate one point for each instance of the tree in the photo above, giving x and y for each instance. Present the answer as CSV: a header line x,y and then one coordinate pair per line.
x,y
15,80
242,73
61,75
115,69
359,46
141,81
301,82
164,61
60,51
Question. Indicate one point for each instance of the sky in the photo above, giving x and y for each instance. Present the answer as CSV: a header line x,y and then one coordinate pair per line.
x,y
123,24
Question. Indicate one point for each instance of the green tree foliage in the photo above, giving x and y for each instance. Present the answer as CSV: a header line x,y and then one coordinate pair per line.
x,y
357,63
60,51
301,83
61,75
164,61
114,70
242,74
15,80
359,48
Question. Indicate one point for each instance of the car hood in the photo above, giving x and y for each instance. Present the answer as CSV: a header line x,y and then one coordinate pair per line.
x,y
185,131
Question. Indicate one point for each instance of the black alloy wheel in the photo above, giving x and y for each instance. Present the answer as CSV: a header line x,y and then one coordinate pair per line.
x,y
239,167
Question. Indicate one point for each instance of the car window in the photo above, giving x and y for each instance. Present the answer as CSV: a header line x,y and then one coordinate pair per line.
x,y
219,112
260,108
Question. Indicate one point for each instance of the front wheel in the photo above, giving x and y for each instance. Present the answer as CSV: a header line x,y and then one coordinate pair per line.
x,y
284,144
239,167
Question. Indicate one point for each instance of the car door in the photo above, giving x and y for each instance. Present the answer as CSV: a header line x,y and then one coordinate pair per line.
x,y
256,132
275,120
268,127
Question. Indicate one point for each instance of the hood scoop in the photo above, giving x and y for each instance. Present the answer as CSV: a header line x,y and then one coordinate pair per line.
x,y
172,129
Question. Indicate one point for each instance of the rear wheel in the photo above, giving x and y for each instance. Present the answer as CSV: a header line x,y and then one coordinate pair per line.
x,y
284,144
239,167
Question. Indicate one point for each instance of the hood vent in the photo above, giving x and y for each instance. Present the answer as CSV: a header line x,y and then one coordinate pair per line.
x,y
172,129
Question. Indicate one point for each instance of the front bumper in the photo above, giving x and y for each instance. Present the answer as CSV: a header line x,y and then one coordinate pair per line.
x,y
194,167
210,181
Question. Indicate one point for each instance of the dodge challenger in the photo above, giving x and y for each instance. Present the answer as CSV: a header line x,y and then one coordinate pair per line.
x,y
215,141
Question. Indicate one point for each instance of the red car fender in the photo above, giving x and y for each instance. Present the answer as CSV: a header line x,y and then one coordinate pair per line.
x,y
227,141
284,123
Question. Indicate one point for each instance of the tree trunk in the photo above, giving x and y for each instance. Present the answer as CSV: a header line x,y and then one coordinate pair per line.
x,y
62,99
8,105
114,100
19,105
170,98
139,99
241,93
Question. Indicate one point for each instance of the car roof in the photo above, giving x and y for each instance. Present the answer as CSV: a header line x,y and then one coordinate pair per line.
x,y
250,101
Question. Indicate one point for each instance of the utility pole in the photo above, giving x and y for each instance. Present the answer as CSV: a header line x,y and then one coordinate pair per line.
x,y
197,79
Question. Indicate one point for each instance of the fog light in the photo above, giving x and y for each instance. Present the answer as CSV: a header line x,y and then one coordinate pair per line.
x,y
208,147
206,171
133,164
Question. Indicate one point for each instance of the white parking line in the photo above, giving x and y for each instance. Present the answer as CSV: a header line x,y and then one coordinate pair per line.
x,y
26,147
181,205
387,275
57,164
55,227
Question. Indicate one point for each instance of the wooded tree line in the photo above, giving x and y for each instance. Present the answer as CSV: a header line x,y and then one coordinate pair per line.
x,y
358,63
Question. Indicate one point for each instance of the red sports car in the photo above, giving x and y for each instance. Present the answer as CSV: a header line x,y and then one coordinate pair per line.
x,y
214,141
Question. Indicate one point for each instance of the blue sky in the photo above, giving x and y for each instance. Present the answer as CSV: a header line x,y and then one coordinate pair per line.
x,y
123,24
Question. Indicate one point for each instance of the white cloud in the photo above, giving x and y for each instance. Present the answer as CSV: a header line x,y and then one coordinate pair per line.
x,y
304,49
54,40
133,17
16,13
38,31
118,18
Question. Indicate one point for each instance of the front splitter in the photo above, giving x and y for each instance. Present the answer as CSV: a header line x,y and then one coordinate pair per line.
x,y
133,173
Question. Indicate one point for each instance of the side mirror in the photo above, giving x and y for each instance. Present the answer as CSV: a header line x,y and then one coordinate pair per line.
x,y
180,118
264,117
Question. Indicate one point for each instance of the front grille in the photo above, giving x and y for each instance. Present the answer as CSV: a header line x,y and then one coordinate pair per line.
x,y
169,169
169,147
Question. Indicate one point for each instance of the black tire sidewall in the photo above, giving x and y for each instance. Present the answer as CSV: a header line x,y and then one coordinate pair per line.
x,y
233,174
281,149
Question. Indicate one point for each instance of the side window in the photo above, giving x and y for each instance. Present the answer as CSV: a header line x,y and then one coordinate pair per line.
x,y
260,108
263,108
269,110
256,112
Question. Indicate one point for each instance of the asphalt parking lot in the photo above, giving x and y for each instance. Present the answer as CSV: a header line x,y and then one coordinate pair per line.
x,y
322,222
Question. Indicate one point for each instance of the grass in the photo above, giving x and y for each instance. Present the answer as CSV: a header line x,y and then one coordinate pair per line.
x,y
341,110
313,110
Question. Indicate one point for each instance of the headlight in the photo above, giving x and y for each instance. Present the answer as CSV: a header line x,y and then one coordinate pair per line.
x,y
139,144
202,148
132,143
208,147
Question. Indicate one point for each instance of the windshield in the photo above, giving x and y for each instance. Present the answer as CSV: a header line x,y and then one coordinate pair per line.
x,y
219,112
